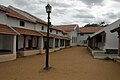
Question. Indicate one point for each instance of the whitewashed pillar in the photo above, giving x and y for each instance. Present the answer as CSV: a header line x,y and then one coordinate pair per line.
x,y
53,43
14,44
64,43
58,43
41,44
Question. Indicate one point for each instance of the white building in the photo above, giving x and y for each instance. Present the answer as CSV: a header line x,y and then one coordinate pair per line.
x,y
72,32
104,42
26,34
85,32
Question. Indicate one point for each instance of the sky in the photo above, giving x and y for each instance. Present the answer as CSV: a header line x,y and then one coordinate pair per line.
x,y
79,12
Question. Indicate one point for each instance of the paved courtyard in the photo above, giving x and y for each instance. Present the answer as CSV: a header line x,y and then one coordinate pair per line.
x,y
68,64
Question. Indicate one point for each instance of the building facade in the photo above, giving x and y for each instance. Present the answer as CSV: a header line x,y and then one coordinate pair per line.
x,y
104,42
71,32
23,34
85,32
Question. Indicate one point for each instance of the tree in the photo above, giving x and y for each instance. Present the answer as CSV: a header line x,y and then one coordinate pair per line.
x,y
103,24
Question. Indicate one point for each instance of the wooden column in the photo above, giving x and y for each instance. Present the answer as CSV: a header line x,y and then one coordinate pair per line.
x,y
17,42
24,42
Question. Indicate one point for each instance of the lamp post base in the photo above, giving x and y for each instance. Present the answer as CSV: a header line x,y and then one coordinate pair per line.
x,y
47,68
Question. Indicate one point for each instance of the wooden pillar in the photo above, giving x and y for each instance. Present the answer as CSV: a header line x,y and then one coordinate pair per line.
x,y
17,42
24,42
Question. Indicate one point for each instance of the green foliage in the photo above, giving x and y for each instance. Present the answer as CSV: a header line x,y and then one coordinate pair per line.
x,y
102,24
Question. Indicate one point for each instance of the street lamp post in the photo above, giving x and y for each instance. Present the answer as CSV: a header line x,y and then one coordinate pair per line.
x,y
48,11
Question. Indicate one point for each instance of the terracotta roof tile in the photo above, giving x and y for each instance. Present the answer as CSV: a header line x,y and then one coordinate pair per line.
x,y
90,29
55,36
67,27
3,8
37,19
4,29
14,14
57,28
115,29
24,31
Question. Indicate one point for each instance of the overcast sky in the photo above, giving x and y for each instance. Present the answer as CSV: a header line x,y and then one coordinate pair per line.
x,y
71,11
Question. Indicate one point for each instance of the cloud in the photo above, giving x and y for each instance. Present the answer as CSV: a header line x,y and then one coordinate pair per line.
x,y
83,14
90,3
70,11
110,15
117,0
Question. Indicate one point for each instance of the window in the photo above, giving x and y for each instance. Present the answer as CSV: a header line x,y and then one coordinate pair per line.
x,y
56,32
22,23
42,28
72,39
81,34
85,41
50,30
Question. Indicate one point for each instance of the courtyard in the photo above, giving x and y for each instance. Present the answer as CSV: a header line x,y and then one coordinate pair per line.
x,y
74,63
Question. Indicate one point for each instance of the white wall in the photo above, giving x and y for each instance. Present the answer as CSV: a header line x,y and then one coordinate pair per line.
x,y
29,25
81,38
13,22
38,27
16,23
72,34
112,38
3,18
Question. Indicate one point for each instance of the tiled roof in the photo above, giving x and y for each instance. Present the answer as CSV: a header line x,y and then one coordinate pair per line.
x,y
57,28
116,29
55,36
67,27
37,19
3,8
15,14
90,29
4,29
24,31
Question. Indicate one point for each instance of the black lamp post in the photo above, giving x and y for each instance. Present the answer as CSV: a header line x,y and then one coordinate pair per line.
x,y
48,10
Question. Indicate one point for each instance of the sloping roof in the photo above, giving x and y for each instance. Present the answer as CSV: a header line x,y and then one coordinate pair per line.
x,y
57,28
90,29
67,27
24,31
55,36
15,14
3,8
116,29
4,29
37,19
